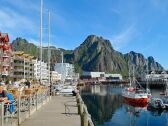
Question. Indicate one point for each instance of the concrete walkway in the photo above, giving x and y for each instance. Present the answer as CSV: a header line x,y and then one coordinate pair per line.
x,y
55,114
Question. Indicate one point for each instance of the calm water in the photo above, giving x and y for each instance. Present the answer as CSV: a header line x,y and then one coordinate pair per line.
x,y
107,108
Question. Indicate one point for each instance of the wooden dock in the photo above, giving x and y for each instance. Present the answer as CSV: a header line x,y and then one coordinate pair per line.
x,y
60,111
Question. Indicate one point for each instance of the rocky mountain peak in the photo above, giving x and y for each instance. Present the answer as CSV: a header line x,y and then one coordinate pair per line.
x,y
95,54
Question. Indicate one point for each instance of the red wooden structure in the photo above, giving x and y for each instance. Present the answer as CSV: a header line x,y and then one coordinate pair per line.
x,y
5,55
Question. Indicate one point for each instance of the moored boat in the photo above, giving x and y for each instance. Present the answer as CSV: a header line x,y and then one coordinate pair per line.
x,y
68,90
134,95
157,103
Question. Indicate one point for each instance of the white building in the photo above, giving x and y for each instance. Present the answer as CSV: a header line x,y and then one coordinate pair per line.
x,y
65,69
55,76
102,76
94,74
40,68
157,75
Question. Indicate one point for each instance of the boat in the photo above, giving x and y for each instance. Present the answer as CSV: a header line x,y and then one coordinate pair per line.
x,y
68,90
157,103
135,104
137,94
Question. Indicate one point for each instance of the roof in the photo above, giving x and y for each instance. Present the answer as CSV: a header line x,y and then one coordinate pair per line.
x,y
4,37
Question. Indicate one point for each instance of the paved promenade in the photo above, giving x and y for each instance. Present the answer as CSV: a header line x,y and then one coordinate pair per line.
x,y
54,113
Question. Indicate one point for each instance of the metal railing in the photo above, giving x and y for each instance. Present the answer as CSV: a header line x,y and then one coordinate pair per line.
x,y
26,103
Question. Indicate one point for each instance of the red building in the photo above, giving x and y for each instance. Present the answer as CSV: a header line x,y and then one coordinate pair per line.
x,y
5,55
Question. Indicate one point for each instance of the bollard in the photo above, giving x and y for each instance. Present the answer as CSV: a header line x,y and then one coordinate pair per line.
x,y
81,104
2,114
79,99
77,95
84,119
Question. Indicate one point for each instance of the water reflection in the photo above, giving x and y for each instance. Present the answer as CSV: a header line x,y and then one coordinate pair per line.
x,y
108,108
100,102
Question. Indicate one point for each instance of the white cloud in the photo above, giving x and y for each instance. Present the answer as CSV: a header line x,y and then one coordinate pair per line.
x,y
123,38
24,4
11,20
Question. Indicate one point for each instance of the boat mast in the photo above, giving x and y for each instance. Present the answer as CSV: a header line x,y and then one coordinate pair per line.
x,y
62,63
147,71
41,36
49,51
133,72
129,74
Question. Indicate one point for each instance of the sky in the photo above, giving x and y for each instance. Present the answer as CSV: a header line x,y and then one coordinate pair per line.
x,y
138,25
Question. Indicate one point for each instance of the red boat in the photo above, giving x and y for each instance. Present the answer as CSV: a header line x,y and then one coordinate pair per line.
x,y
135,96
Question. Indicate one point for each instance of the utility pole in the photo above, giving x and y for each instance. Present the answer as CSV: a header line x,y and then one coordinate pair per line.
x,y
41,37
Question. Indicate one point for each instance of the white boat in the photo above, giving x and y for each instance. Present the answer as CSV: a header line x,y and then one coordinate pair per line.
x,y
67,90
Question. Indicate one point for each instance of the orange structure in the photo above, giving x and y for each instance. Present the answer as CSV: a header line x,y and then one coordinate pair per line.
x,y
5,55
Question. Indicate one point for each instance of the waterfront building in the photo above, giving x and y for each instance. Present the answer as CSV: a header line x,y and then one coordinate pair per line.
x,y
22,66
5,56
157,75
102,76
93,75
55,76
66,70
115,77
40,69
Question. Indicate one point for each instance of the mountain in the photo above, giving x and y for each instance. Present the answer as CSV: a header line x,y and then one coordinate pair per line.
x,y
97,54
21,44
141,64
94,54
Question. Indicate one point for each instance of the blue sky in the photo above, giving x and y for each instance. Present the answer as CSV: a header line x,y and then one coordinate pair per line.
x,y
138,25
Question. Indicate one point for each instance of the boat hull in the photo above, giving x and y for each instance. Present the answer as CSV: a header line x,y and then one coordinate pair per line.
x,y
136,101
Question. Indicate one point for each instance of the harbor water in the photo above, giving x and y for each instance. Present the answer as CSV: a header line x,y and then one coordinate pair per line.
x,y
108,108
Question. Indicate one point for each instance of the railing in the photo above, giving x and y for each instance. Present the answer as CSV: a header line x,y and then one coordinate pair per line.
x,y
18,75
82,110
18,70
27,102
18,64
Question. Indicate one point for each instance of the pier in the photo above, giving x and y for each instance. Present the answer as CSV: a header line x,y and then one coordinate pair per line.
x,y
35,107
60,111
